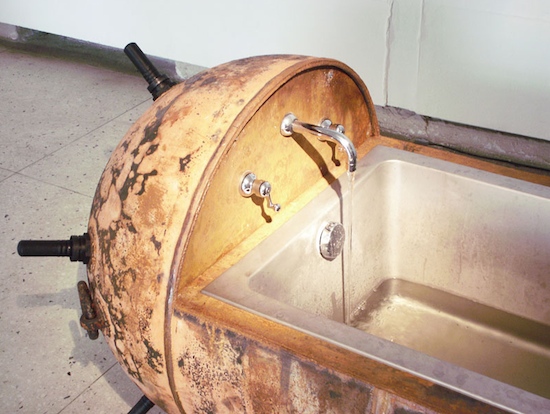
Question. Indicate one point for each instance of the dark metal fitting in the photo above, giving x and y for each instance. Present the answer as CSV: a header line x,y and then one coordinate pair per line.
x,y
158,83
90,319
77,248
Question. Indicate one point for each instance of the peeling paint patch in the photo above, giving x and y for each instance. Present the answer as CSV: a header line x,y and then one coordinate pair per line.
x,y
156,243
135,179
209,80
329,76
184,162
154,357
216,135
152,149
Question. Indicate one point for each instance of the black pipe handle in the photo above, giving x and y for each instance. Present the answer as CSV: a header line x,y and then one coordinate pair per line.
x,y
142,406
44,248
77,248
158,83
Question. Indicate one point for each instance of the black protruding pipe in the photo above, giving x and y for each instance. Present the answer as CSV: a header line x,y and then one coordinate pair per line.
x,y
143,406
77,248
158,83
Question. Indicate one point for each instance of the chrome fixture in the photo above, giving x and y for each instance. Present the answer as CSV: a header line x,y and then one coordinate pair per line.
x,y
252,186
332,240
291,124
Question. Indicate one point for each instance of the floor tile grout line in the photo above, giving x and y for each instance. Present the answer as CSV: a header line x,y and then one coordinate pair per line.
x,y
78,139
88,387
22,174
11,174
52,184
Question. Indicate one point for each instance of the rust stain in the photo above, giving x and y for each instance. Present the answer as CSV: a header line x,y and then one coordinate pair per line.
x,y
227,372
125,181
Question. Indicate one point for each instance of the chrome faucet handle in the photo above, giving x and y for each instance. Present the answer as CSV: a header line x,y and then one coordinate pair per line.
x,y
252,186
327,123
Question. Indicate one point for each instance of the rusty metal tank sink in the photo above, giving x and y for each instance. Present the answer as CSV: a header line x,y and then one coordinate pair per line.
x,y
450,276
188,191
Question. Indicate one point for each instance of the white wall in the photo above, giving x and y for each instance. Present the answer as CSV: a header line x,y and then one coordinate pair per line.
x,y
482,62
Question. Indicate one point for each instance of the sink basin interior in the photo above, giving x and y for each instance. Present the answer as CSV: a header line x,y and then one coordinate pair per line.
x,y
450,266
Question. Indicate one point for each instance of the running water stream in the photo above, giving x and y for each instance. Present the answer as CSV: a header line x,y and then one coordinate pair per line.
x,y
347,221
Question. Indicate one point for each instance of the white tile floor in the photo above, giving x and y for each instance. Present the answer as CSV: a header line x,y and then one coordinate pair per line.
x,y
60,122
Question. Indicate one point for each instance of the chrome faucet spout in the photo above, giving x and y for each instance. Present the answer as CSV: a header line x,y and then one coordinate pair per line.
x,y
291,124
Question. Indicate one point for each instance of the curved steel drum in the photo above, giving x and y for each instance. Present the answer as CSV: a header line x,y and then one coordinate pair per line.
x,y
168,206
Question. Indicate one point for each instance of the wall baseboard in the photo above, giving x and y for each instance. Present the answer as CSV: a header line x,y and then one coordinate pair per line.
x,y
34,41
485,143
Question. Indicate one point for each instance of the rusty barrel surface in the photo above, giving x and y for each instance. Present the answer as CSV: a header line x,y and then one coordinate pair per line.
x,y
167,206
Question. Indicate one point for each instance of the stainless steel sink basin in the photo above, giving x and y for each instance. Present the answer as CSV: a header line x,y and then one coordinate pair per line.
x,y
449,279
